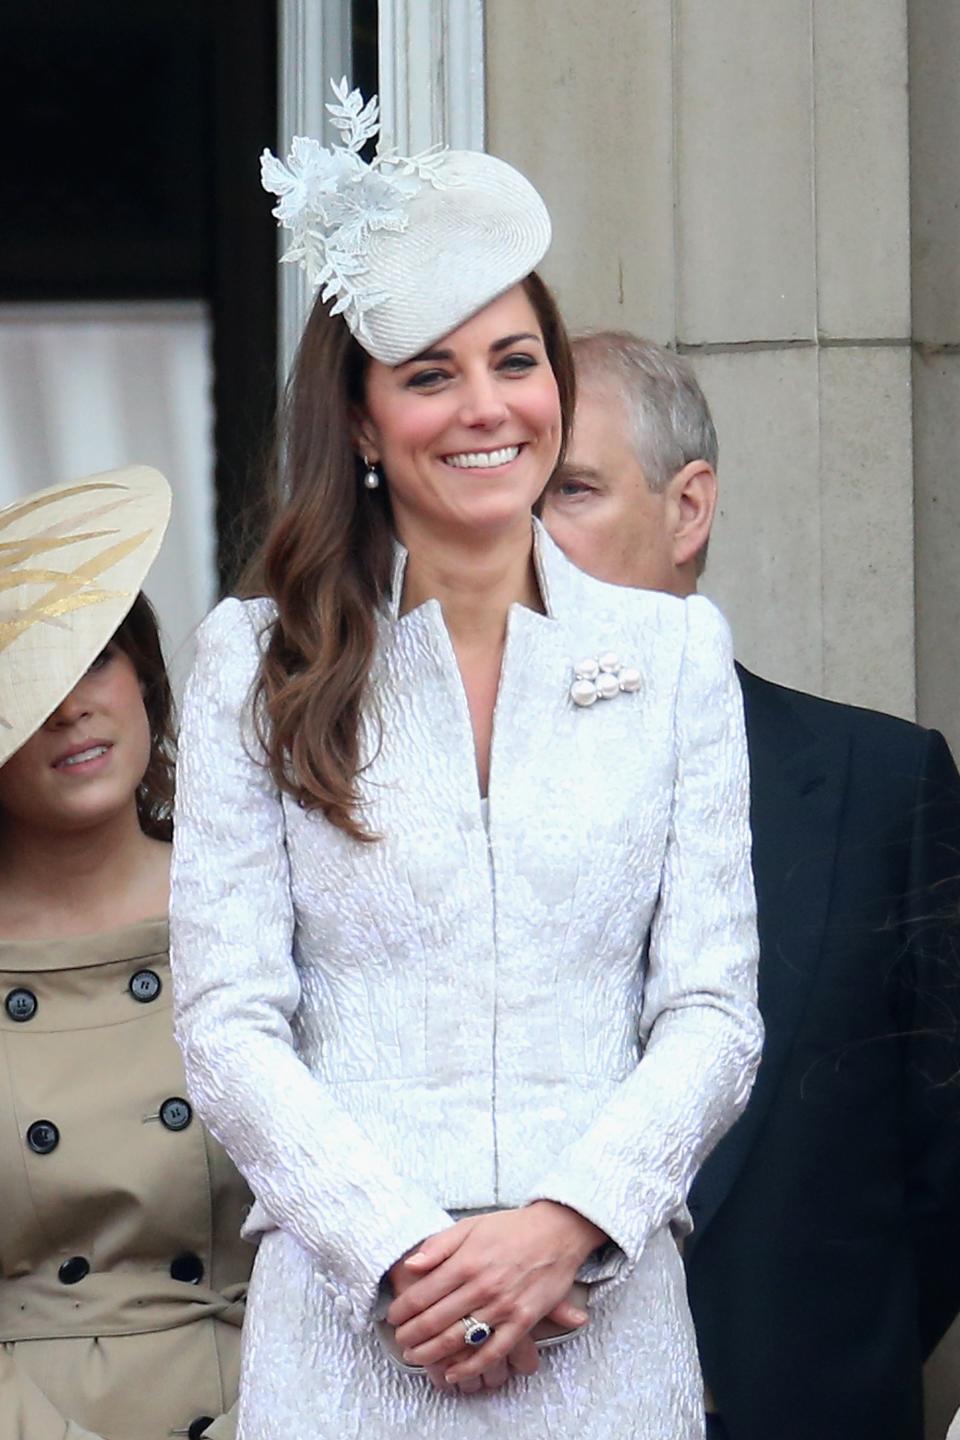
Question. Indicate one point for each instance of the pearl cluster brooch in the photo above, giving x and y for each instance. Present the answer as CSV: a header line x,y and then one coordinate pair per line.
x,y
602,679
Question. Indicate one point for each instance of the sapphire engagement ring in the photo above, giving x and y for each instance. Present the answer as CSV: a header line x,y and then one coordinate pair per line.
x,y
475,1332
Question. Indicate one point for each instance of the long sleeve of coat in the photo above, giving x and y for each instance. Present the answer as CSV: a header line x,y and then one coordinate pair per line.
x,y
237,987
630,1172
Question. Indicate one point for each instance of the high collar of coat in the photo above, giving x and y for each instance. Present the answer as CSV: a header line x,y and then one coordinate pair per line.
x,y
560,582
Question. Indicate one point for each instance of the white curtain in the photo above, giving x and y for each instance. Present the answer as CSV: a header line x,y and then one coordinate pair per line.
x,y
85,388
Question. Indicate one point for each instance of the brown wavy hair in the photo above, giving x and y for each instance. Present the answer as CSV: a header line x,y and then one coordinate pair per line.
x,y
326,562
138,636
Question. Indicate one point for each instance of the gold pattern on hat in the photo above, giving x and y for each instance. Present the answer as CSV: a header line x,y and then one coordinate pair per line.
x,y
67,590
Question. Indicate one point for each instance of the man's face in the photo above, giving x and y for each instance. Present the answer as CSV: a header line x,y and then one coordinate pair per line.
x,y
599,508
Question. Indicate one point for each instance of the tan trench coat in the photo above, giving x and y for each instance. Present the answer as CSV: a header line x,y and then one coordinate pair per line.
x,y
122,1274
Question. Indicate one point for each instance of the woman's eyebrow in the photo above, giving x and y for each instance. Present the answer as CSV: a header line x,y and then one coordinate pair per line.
x,y
427,355
509,340
496,347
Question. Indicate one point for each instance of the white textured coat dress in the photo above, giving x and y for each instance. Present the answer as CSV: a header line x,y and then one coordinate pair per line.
x,y
454,1018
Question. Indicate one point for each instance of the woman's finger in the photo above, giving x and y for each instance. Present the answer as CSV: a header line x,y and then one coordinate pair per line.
x,y
445,1279
496,1375
437,1331
434,1352
524,1357
434,1319
436,1374
439,1247
441,1347
568,1315
496,1348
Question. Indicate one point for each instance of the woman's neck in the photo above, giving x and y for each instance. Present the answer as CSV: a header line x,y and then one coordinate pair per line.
x,y
57,882
475,583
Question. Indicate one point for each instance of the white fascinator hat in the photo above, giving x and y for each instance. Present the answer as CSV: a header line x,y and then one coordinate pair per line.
x,y
72,561
406,248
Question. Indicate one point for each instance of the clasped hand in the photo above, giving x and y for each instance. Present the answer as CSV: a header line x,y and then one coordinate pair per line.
x,y
511,1268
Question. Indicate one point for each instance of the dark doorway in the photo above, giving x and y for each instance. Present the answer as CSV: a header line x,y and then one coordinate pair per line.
x,y
366,19
133,138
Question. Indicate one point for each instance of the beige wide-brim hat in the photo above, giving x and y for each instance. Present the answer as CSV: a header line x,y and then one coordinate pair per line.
x,y
72,561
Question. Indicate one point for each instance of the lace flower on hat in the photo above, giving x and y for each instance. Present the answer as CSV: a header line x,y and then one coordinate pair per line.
x,y
332,201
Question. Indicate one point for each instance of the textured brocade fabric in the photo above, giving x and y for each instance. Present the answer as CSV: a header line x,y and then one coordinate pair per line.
x,y
447,1020
632,1375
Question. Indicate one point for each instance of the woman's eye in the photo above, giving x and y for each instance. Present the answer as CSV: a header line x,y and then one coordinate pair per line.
x,y
518,363
568,489
424,379
102,659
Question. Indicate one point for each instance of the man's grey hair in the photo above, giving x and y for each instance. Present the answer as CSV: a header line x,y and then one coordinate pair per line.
x,y
667,411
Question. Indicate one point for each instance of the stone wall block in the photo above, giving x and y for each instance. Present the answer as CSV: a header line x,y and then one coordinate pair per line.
x,y
867,527
936,427
935,168
745,221
585,109
862,187
764,567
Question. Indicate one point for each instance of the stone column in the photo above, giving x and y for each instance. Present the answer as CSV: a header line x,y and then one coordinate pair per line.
x,y
315,40
734,180
935,194
935,176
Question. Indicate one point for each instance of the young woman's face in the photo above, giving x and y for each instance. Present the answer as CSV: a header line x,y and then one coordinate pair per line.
x,y
467,433
84,764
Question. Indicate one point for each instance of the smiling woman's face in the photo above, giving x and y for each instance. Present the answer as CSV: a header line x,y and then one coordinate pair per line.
x,y
467,433
84,764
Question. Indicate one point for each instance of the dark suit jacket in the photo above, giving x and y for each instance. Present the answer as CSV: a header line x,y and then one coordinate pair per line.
x,y
825,1262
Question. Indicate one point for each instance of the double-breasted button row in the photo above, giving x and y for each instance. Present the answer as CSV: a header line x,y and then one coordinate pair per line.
x,y
187,1268
21,1004
43,1136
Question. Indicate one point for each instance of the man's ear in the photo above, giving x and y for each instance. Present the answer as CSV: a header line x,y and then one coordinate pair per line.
x,y
693,493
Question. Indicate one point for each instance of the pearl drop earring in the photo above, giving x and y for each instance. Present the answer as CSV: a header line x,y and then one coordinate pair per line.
x,y
372,478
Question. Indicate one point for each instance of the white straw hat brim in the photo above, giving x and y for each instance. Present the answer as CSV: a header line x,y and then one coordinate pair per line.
x,y
72,561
